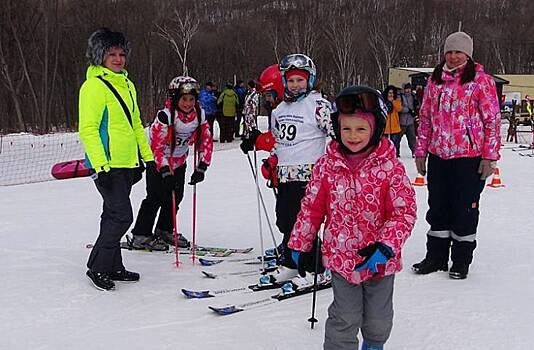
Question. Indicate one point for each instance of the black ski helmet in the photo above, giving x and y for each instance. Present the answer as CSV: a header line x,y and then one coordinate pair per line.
x,y
365,99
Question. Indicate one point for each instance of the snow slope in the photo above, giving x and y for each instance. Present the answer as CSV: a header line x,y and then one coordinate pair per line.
x,y
46,302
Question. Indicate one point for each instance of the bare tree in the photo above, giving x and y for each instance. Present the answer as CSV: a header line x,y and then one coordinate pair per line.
x,y
340,38
180,33
302,34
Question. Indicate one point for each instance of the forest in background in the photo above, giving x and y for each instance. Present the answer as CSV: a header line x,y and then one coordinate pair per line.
x,y
43,43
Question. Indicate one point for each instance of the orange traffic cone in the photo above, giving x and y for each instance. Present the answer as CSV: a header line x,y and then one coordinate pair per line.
x,y
419,180
496,180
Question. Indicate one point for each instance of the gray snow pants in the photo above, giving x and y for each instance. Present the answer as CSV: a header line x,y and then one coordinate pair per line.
x,y
367,306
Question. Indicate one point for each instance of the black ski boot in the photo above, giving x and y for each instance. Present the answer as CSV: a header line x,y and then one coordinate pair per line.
x,y
124,276
150,243
428,266
459,271
168,237
100,280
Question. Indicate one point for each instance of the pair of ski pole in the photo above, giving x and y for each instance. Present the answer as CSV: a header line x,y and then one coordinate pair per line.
x,y
259,198
175,221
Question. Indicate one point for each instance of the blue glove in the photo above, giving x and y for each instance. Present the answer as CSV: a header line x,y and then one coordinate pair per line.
x,y
375,254
295,256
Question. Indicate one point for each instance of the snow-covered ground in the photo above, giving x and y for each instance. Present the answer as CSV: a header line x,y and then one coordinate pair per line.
x,y
46,302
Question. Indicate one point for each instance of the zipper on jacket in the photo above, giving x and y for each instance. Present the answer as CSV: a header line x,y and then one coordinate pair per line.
x,y
131,96
439,100
469,136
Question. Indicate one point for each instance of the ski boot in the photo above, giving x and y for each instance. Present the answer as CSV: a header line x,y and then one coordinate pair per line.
x,y
168,237
428,266
150,243
459,271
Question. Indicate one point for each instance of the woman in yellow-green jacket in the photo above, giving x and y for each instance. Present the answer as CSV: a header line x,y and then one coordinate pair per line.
x,y
113,138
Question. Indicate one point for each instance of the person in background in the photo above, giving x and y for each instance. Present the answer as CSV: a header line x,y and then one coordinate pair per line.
x,y
407,117
394,106
251,109
113,138
459,138
208,102
229,101
241,92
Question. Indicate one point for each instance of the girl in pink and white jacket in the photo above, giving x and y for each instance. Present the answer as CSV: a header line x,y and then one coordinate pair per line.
x,y
178,126
459,133
362,190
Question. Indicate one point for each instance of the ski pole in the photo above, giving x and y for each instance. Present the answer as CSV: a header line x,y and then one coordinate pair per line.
x,y
175,230
264,207
255,173
193,256
312,319
174,220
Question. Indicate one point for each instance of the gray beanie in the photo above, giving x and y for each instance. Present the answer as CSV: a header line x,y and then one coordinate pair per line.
x,y
101,41
459,41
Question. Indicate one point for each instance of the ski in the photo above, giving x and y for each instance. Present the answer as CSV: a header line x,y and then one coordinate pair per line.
x,y
192,294
290,290
267,269
266,282
237,273
125,245
201,251
529,154
521,148
208,262
232,309
221,249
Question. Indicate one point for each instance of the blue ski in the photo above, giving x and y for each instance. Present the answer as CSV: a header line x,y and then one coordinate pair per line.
x,y
232,309
192,294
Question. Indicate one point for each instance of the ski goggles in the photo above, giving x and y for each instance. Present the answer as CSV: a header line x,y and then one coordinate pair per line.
x,y
189,88
364,101
296,61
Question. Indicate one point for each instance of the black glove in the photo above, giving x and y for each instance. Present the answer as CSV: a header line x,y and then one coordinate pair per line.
x,y
103,179
167,179
198,174
151,167
306,261
248,143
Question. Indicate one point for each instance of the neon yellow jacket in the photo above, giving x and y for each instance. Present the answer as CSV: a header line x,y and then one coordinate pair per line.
x,y
229,100
108,139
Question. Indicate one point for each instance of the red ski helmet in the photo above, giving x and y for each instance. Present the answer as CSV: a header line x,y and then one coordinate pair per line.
x,y
271,80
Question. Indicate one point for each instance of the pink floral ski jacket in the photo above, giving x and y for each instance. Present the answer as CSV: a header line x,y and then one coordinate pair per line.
x,y
457,120
187,131
373,203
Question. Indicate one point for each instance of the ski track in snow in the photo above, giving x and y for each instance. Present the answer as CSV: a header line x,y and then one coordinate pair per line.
x,y
48,303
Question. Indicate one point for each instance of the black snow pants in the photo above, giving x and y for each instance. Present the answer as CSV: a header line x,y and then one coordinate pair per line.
x,y
157,199
454,188
115,220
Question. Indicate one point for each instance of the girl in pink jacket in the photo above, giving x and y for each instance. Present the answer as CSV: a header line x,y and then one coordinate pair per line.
x,y
179,125
361,189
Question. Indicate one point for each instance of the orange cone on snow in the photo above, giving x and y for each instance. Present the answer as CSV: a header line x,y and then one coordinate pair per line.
x,y
419,180
496,180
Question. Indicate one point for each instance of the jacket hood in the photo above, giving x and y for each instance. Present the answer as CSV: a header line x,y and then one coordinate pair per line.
x,y
384,151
